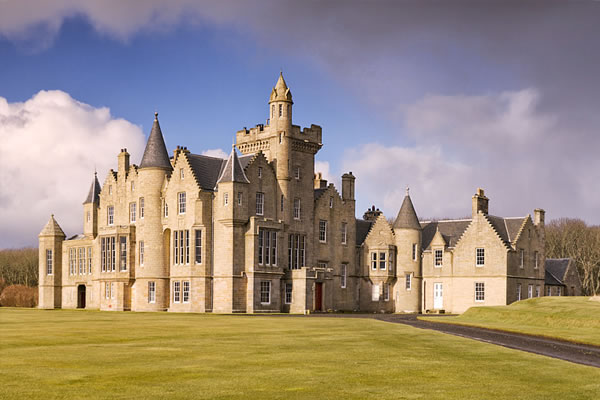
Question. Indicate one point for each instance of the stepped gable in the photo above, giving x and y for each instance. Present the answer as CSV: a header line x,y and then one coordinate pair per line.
x,y
556,269
233,170
451,230
155,154
94,192
407,217
362,229
52,228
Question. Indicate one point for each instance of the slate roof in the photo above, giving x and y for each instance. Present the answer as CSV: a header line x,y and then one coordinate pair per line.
x,y
407,217
362,229
233,170
451,230
556,269
206,170
281,92
319,192
94,193
52,228
156,154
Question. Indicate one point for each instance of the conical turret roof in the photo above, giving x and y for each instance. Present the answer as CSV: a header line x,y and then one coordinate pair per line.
x,y
407,217
281,92
52,228
155,154
233,171
94,193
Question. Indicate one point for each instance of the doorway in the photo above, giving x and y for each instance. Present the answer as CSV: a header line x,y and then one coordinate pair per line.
x,y
318,296
81,296
438,296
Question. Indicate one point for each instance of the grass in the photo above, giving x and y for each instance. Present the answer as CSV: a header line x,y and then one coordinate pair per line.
x,y
575,319
69,354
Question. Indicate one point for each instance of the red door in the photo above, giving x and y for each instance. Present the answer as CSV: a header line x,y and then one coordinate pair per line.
x,y
318,296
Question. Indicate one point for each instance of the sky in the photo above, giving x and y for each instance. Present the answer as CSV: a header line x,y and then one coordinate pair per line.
x,y
440,96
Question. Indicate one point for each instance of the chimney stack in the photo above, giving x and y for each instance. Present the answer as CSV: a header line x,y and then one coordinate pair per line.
x,y
480,203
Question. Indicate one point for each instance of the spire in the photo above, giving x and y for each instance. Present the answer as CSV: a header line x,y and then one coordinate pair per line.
x,y
281,92
52,228
233,171
94,193
407,217
156,154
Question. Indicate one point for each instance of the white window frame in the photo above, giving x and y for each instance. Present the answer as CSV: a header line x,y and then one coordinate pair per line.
x,y
166,209
522,256
529,291
141,253
89,255
176,292
323,231
132,212
186,292
559,291
110,215
198,246
480,257
265,290
288,294
386,292
49,262
537,291
535,259
549,291
436,258
260,203
479,292
408,281
151,292
344,233
181,202
142,208
297,173
382,261
297,208
374,260
343,276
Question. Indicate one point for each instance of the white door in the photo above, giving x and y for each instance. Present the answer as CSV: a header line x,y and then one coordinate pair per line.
x,y
438,296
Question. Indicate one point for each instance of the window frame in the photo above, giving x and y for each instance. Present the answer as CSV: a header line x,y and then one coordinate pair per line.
x,y
110,215
322,231
480,258
151,292
181,203
297,208
479,292
186,292
141,253
176,291
436,258
49,262
260,203
132,212
343,276
344,231
265,292
408,281
288,294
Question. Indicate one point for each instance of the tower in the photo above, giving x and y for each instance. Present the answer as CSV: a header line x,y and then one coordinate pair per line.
x,y
408,234
280,104
90,209
229,254
50,265
154,277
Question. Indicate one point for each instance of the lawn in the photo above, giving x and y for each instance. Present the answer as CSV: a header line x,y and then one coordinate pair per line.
x,y
575,319
65,354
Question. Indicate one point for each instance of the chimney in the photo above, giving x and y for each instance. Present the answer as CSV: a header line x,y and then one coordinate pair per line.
x,y
320,183
123,161
480,203
539,217
371,214
348,186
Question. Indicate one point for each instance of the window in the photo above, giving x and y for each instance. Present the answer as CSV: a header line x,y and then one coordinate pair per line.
x,y
198,246
391,261
480,257
89,256
123,253
181,247
72,261
438,258
225,198
132,186
240,197
151,292
141,252
81,260
529,291
265,292
166,210
408,284
273,111
344,233
267,247
323,231
382,261
386,292
113,292
260,172
288,293
260,203
522,255
296,251
537,291
535,260
330,202
479,291
181,197
281,110
375,293
281,203
132,212
110,189
558,291
297,173
88,216
186,291
181,173
107,290
343,276
49,262
296,208
374,261
176,292
414,252
111,215
548,290
518,291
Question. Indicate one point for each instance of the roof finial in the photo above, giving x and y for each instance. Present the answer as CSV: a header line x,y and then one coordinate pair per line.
x,y
407,190
155,115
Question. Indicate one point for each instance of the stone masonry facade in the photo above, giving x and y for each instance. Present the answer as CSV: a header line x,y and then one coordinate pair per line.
x,y
261,232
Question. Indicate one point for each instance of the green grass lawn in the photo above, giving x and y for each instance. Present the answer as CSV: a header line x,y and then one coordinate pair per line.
x,y
575,319
91,355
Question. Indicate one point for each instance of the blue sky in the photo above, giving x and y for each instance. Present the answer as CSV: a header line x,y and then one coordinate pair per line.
x,y
444,97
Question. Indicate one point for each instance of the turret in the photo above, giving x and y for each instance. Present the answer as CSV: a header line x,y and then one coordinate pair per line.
x,y
50,265
154,167
90,208
280,105
408,234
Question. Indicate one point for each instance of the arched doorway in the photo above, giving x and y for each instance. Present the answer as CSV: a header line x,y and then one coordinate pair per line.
x,y
81,296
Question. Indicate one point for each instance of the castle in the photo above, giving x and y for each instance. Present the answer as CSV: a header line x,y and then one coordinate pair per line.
x,y
261,232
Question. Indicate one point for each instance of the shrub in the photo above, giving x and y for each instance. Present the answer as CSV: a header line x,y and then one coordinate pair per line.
x,y
19,296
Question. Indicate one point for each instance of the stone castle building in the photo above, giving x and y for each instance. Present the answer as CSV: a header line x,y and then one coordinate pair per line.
x,y
260,232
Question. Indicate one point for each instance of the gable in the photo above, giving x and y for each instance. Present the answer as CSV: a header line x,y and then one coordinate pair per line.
x,y
381,233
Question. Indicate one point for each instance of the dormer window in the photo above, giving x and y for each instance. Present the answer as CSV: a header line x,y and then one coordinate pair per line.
x,y
438,258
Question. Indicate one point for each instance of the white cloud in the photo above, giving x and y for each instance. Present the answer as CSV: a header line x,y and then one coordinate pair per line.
x,y
49,148
218,153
